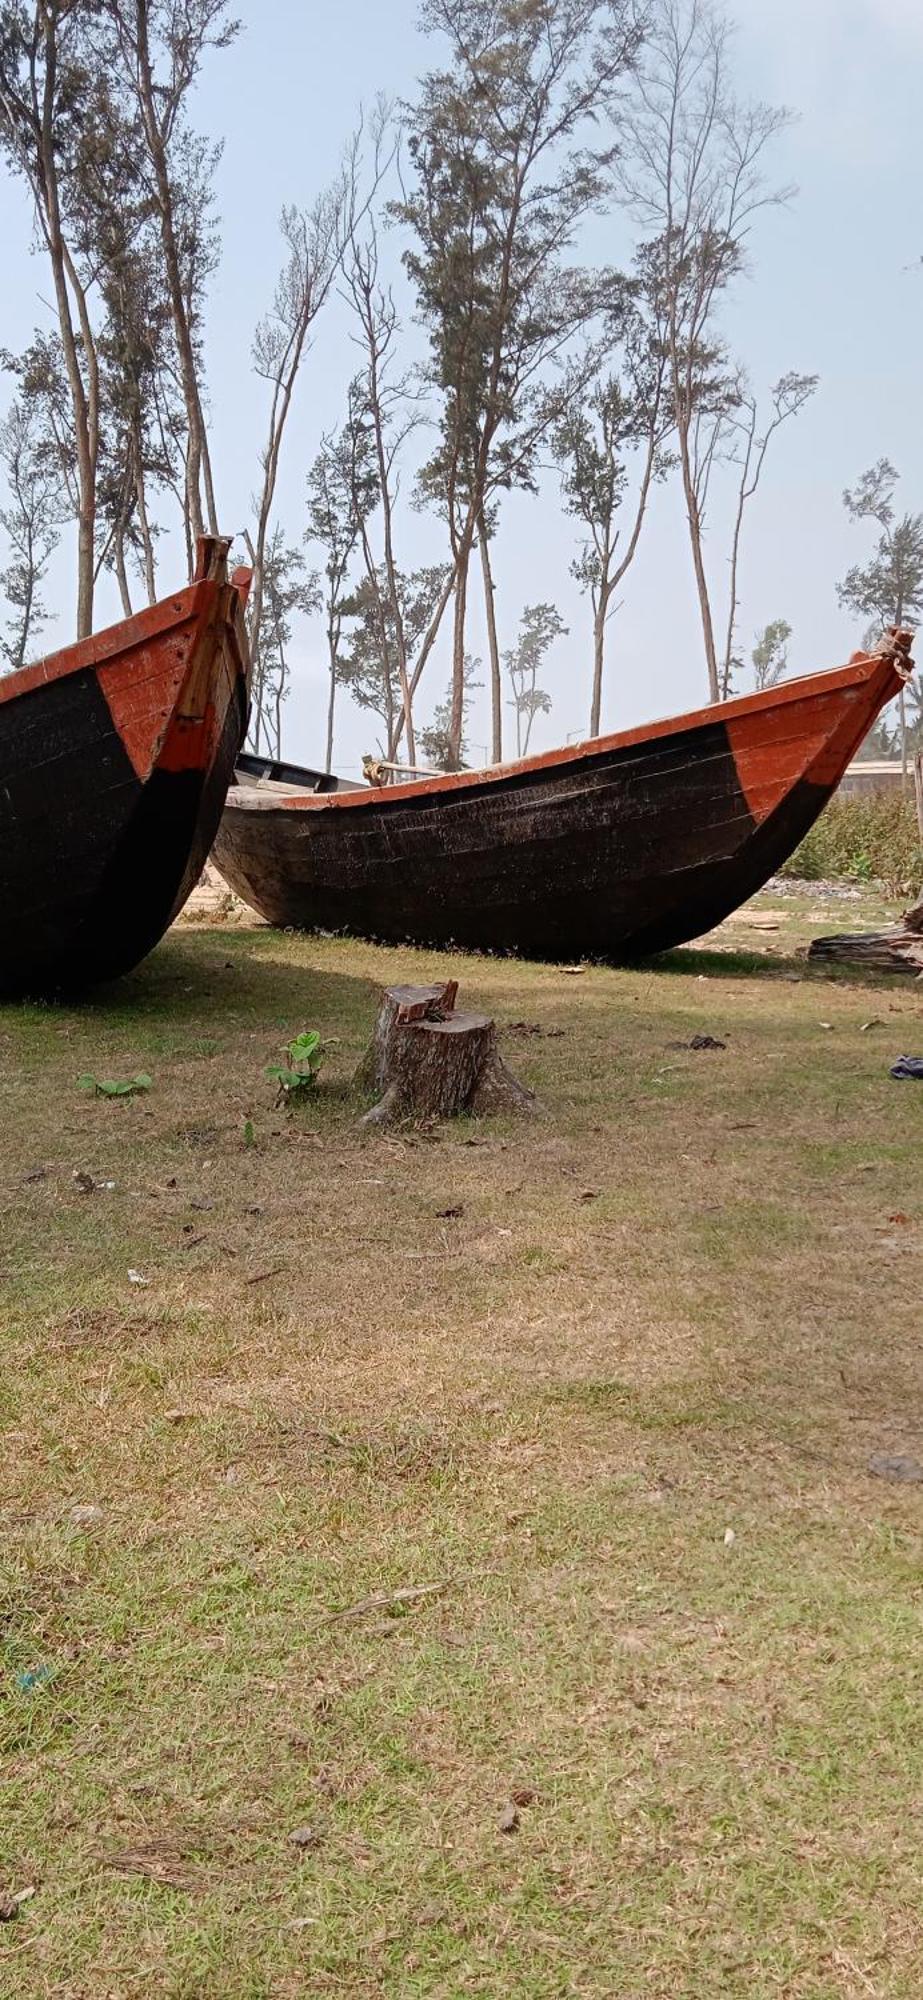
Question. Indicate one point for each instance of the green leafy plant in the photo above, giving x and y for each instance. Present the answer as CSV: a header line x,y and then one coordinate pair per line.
x,y
105,1087
297,1076
249,1134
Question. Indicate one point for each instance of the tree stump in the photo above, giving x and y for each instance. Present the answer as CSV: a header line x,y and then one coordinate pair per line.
x,y
427,1061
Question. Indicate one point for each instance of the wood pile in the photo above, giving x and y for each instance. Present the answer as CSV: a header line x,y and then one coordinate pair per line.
x,y
899,949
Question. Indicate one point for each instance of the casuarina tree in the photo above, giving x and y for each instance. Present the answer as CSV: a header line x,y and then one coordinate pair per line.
x,y
510,144
610,445
695,176
539,627
888,589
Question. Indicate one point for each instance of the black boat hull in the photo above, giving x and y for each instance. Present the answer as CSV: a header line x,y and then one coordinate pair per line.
x,y
613,851
113,776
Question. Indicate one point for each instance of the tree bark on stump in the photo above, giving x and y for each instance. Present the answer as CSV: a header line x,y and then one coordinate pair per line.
x,y
427,1061
897,950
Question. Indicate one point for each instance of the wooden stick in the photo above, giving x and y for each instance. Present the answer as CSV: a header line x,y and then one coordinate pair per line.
x,y
409,1594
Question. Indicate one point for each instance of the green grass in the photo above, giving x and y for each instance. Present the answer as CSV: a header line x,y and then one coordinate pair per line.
x,y
401,1514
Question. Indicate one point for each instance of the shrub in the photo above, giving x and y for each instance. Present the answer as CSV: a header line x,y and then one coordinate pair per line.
x,y
875,838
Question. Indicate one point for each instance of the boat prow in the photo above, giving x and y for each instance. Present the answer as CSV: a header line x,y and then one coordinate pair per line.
x,y
613,848
115,759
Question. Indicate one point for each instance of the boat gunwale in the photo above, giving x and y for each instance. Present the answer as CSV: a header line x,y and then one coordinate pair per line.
x,y
100,648
860,670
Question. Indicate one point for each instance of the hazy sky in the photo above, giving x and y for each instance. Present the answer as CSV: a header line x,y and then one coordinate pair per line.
x,y
836,288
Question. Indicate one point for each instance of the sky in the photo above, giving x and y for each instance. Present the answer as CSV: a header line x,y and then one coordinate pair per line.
x,y
835,288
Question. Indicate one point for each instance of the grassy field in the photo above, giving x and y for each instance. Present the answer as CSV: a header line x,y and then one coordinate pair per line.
x,y
491,1508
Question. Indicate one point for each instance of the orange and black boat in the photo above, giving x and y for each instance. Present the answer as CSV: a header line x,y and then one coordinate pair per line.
x,y
613,848
115,759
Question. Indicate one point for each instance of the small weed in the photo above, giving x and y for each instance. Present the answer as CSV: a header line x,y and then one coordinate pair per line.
x,y
297,1077
105,1087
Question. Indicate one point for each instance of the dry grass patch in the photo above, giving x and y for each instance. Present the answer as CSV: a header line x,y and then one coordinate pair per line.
x,y
423,1473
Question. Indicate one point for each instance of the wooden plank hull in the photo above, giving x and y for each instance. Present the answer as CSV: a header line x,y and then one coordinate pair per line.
x,y
614,849
115,759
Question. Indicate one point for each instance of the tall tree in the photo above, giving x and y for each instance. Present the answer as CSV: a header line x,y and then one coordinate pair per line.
x,y
289,590
695,176
140,450
611,442
539,626
510,146
160,46
391,412
369,669
51,92
32,521
888,590
315,241
342,493
748,452
386,406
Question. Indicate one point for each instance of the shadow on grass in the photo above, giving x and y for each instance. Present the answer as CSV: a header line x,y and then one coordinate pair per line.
x,y
690,962
233,974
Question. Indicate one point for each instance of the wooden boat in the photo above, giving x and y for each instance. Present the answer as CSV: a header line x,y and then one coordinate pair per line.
x,y
612,848
115,759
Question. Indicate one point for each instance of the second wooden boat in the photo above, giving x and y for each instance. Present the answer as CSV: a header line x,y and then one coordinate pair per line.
x,y
613,848
115,759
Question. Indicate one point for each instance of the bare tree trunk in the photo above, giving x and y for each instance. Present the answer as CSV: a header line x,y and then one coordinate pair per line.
x,y
387,511
429,641
84,396
281,405
742,498
381,621
698,563
599,650
496,688
211,508
19,656
197,450
120,570
147,542
331,702
457,709
258,680
277,703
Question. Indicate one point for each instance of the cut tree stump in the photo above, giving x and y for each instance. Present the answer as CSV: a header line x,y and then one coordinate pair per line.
x,y
427,1061
897,950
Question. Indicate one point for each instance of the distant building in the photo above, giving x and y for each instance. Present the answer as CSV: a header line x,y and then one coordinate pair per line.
x,y
875,774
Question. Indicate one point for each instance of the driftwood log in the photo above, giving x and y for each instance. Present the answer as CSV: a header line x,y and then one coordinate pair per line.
x,y
427,1061
899,949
